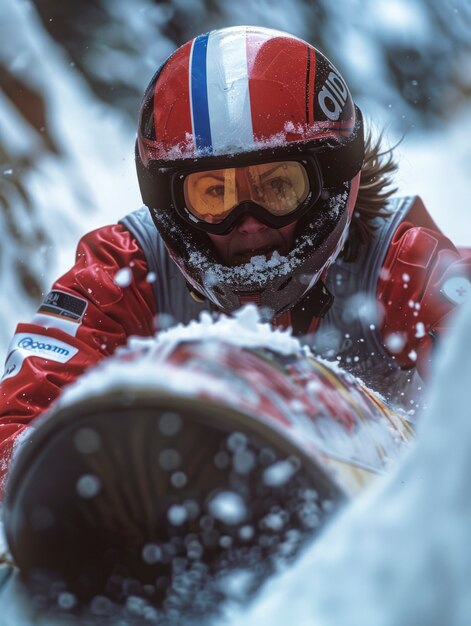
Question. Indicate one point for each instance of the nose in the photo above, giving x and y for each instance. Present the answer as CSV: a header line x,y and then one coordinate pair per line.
x,y
250,225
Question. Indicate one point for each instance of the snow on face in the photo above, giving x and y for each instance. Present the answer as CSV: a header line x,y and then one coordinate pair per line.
x,y
259,270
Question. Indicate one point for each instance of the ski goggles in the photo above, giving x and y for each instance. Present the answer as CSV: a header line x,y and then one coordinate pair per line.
x,y
275,192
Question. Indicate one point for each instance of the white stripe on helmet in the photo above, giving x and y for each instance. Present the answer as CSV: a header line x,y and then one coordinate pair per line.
x,y
228,92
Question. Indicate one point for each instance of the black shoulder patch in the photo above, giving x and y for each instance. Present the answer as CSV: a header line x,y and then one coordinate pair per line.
x,y
61,304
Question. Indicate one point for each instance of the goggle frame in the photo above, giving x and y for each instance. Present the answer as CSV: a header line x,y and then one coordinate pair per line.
x,y
248,207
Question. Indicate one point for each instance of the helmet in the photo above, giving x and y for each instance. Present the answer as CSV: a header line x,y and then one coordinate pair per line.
x,y
236,97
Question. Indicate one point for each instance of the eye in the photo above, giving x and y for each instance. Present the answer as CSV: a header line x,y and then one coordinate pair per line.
x,y
279,185
215,191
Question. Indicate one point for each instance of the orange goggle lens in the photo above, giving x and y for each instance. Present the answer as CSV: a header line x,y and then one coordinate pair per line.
x,y
279,187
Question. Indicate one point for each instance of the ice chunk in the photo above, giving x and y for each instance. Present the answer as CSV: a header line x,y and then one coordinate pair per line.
x,y
395,342
177,515
228,507
87,440
279,473
88,486
123,277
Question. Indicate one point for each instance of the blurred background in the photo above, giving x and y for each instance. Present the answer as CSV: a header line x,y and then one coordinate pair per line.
x,y
73,74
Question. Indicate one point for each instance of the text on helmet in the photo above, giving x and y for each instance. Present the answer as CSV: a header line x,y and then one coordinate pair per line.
x,y
333,96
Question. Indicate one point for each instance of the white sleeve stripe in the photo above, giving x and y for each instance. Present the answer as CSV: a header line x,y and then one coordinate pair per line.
x,y
51,321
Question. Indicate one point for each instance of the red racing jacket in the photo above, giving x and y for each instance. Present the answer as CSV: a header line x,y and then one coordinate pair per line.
x,y
119,286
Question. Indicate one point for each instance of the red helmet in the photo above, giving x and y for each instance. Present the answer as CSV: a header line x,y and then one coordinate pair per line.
x,y
243,96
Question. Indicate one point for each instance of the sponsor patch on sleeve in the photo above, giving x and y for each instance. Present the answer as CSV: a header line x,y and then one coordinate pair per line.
x,y
63,305
24,345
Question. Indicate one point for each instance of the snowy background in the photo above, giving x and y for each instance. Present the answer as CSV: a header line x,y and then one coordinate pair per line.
x,y
73,75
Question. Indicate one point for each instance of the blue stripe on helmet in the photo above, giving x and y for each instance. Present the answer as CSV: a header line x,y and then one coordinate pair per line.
x,y
199,96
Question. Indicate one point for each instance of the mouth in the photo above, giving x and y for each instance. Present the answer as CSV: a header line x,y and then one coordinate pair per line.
x,y
244,256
